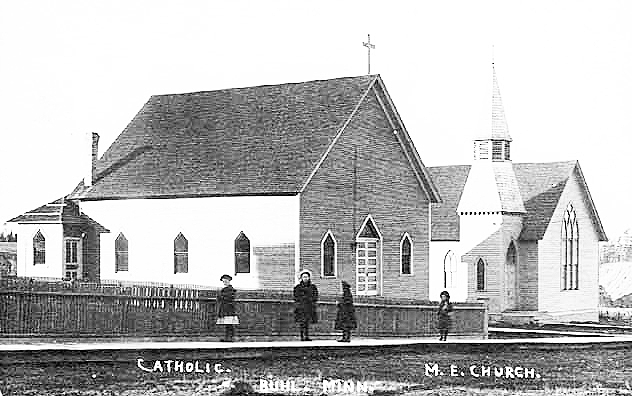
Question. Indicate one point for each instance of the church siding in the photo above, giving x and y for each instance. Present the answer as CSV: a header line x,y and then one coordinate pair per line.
x,y
369,157
438,251
570,304
210,225
275,265
493,250
528,280
53,236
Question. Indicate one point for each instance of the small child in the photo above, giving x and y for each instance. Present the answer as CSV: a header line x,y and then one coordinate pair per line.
x,y
445,311
345,317
226,309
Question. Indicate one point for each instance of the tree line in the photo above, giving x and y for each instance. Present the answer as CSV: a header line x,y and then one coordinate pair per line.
x,y
10,237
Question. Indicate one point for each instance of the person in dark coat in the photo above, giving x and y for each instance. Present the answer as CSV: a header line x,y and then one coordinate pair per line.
x,y
345,317
226,315
444,313
305,298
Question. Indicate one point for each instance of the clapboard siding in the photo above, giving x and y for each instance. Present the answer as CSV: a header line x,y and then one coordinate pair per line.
x,y
570,304
367,173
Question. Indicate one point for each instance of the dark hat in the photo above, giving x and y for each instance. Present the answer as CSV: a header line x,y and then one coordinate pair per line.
x,y
226,276
445,293
346,285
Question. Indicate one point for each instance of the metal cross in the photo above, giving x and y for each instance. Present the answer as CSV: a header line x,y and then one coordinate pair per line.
x,y
369,47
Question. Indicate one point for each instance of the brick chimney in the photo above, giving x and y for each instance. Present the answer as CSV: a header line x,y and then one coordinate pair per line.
x,y
95,156
92,144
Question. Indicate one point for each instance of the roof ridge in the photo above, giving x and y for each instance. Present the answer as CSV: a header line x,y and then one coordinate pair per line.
x,y
374,76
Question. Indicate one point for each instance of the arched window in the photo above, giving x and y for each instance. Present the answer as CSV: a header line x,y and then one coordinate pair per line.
x,y
570,250
328,252
480,274
406,255
39,248
449,269
180,255
242,254
121,253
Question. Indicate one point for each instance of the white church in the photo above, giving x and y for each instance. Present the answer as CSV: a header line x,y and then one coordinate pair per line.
x,y
263,182
520,237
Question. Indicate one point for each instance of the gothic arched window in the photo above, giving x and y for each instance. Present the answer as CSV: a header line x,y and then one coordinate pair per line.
x,y
480,274
180,255
449,269
242,254
39,248
121,262
570,249
328,255
406,255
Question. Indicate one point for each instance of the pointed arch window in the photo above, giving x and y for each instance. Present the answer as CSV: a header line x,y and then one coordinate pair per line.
x,y
121,262
449,269
242,254
180,255
570,249
406,255
328,255
480,275
39,248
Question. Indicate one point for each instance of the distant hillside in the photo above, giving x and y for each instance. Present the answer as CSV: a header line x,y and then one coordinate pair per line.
x,y
616,278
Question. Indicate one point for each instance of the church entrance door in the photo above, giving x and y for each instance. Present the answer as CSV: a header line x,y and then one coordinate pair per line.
x,y
511,278
368,244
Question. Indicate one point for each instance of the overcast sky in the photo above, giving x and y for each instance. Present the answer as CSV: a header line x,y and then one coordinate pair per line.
x,y
564,70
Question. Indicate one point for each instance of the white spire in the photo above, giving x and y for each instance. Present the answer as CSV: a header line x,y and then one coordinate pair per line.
x,y
500,129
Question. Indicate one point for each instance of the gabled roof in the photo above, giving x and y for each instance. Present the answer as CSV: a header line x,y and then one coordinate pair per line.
x,y
60,211
450,181
263,140
541,186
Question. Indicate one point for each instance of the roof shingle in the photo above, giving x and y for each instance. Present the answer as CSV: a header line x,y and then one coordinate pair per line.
x,y
540,184
258,140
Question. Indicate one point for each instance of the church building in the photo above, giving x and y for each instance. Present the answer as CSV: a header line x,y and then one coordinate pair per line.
x,y
520,237
259,183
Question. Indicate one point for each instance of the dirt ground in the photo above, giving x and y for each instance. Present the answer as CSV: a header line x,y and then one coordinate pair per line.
x,y
571,372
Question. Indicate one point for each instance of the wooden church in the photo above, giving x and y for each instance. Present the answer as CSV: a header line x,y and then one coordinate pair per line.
x,y
265,181
258,182
520,237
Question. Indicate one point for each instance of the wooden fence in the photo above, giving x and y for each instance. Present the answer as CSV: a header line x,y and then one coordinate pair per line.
x,y
61,309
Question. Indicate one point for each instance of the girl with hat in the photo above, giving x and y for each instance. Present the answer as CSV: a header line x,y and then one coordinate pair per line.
x,y
444,313
226,309
345,317
305,298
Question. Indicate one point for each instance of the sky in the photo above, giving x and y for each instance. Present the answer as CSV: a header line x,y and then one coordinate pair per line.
x,y
564,69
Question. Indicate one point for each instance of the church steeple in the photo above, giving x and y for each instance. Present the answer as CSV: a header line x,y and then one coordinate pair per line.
x,y
491,185
496,145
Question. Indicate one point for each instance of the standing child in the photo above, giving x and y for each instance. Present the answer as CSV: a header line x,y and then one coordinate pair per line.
x,y
445,311
305,298
345,317
226,309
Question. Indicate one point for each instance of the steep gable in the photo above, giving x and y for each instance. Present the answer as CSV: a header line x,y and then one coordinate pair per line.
x,y
541,186
246,141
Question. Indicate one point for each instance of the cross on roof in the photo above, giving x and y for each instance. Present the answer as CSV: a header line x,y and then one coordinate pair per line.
x,y
369,47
